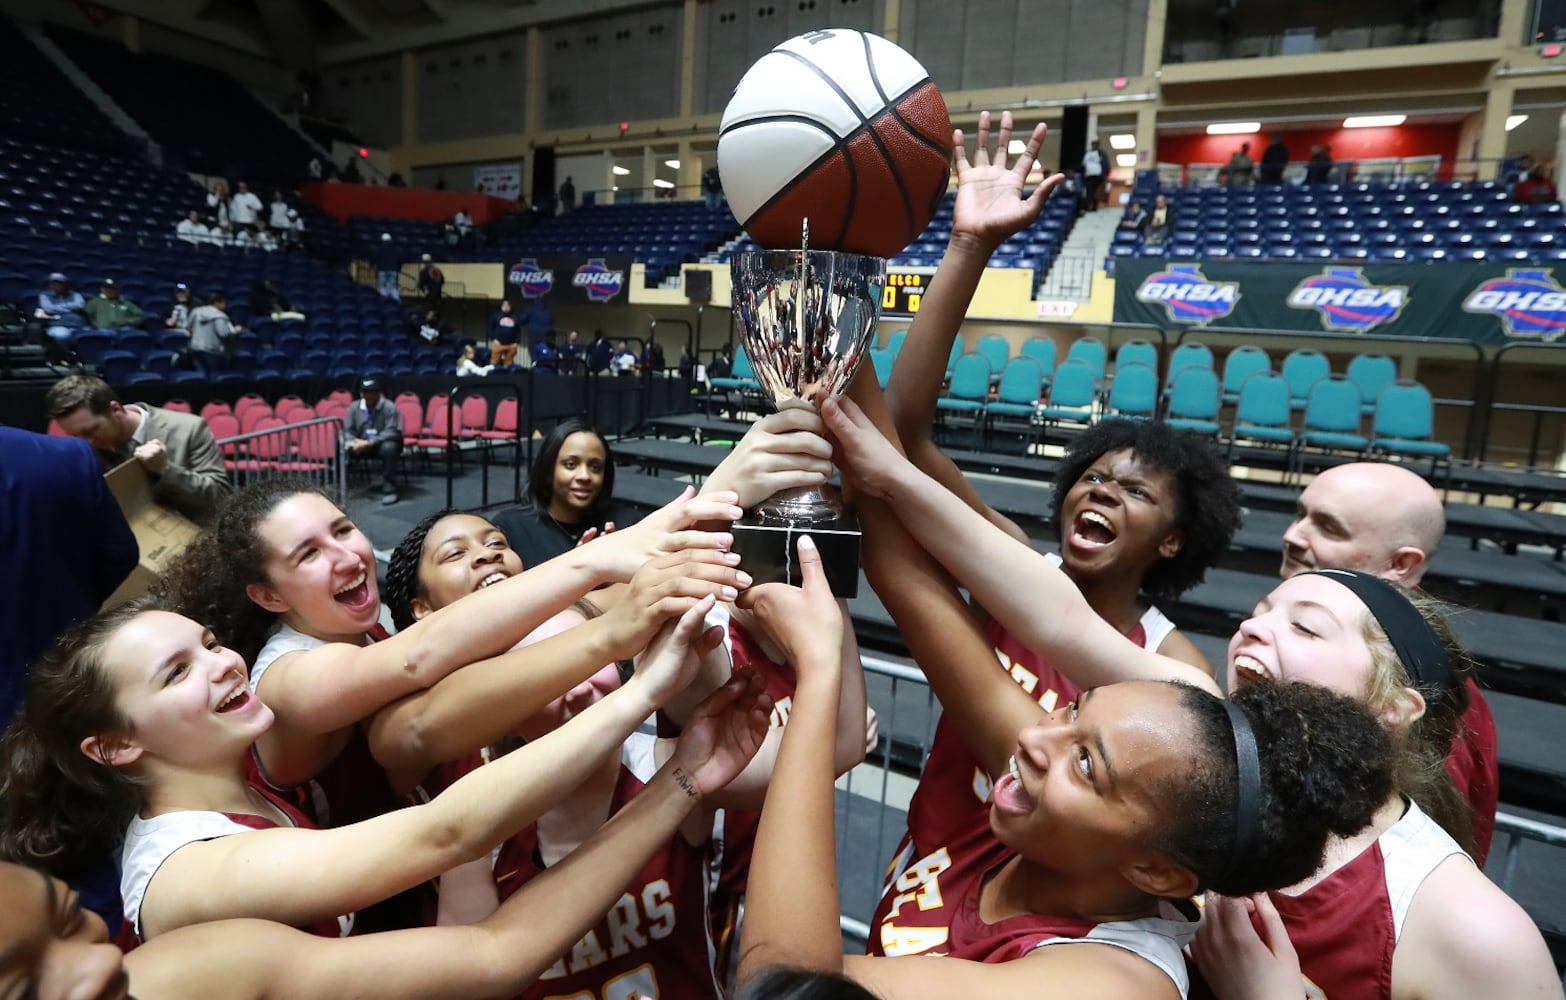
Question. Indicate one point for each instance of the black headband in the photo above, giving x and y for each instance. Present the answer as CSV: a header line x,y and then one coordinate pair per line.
x,y
1247,767
1417,646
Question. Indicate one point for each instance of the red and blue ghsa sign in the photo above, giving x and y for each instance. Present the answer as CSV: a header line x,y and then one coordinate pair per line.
x,y
1188,296
599,280
1528,302
1346,300
533,281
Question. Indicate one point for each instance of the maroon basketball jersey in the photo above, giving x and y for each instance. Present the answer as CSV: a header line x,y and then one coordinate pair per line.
x,y
930,906
654,941
1475,767
1346,927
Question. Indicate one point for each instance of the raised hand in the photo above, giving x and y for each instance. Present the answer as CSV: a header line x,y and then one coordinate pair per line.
x,y
724,732
668,587
806,622
674,655
1241,960
669,529
868,460
781,451
990,206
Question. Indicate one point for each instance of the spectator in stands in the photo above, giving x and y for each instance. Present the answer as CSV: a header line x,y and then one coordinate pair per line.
x,y
395,180
430,329
652,358
462,222
1069,188
503,337
1383,519
179,313
388,268
1157,223
1241,166
245,209
62,309
712,186
217,204
544,355
350,174
244,237
178,452
572,488
1095,165
687,366
1134,218
1274,159
567,196
111,310
431,280
538,320
266,300
572,354
1532,186
722,363
315,169
466,365
263,238
373,427
624,360
278,213
223,235
1318,169
599,353
192,230
212,334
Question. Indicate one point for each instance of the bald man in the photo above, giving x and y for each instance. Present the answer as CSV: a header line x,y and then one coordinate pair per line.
x,y
1383,519
1369,516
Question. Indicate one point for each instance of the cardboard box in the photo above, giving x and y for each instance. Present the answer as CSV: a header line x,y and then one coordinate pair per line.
x,y
161,533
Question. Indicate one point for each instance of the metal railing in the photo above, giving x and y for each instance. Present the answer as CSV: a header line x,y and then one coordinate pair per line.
x,y
309,449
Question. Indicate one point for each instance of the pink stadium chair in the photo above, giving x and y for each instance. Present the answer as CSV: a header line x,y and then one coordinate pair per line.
x,y
177,405
216,406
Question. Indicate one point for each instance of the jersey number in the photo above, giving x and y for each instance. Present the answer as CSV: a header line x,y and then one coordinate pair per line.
x,y
641,983
919,884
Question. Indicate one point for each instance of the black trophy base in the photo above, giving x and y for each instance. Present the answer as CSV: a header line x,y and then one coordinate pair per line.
x,y
767,551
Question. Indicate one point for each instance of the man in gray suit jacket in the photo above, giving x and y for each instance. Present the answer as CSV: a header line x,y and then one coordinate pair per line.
x,y
177,450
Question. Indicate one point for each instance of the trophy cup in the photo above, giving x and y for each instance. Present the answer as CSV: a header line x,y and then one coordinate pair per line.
x,y
807,318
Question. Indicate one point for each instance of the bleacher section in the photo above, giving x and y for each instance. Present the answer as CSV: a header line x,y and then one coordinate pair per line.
x,y
1391,221
203,118
1035,247
662,235
38,102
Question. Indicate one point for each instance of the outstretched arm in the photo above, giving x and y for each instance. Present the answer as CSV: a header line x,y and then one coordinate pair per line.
x,y
990,207
500,956
482,703
300,876
315,694
1034,600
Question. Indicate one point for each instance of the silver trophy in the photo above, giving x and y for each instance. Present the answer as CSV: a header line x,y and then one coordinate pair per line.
x,y
807,318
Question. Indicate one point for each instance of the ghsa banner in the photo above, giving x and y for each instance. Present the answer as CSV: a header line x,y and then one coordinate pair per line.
x,y
569,280
1487,303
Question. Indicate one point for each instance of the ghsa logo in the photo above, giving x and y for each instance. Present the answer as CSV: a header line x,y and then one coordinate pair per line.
x,y
1188,296
1347,301
1529,303
533,281
599,282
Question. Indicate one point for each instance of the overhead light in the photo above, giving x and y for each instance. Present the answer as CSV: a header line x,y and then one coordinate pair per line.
x,y
1512,121
1233,128
672,164
1016,147
1374,121
1122,140
661,183
1125,159
615,188
620,171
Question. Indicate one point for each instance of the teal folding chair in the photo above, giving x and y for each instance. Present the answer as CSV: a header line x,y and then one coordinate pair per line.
x,y
1405,423
1302,369
1016,400
1194,400
969,390
1133,393
1332,417
1136,352
881,358
1372,373
1071,395
1242,362
997,351
1262,416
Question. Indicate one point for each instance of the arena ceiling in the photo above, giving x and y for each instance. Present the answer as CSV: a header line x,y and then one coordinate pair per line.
x,y
304,34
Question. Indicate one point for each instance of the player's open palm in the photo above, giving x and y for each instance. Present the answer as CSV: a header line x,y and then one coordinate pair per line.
x,y
725,731
990,206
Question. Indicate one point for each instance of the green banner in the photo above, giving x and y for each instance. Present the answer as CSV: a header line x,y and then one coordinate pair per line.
x,y
1484,303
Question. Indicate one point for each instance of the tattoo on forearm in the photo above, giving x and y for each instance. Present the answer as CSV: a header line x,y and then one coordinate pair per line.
x,y
686,783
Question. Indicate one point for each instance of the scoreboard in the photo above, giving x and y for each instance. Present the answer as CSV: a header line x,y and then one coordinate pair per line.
x,y
904,290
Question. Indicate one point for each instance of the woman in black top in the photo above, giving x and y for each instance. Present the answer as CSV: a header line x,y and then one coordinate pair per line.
x,y
572,486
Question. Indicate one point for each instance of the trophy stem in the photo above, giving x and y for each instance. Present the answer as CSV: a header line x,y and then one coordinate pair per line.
x,y
803,506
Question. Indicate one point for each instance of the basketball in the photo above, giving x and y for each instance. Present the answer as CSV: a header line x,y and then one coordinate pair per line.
x,y
843,128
